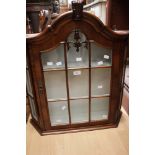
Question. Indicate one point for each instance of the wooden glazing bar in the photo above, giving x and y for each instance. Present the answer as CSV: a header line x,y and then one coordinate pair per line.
x,y
67,83
89,82
95,67
61,99
103,96
78,68
77,98
57,100
53,69
63,69
101,67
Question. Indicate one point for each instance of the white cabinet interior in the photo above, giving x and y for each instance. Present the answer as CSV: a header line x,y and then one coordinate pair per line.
x,y
99,108
53,58
100,81
79,108
78,83
100,56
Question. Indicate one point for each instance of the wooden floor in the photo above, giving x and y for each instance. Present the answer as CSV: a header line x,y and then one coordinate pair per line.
x,y
99,142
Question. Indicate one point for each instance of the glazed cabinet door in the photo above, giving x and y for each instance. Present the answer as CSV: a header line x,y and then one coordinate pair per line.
x,y
77,81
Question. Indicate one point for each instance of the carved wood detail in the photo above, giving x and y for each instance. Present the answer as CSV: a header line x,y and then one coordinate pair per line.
x,y
77,10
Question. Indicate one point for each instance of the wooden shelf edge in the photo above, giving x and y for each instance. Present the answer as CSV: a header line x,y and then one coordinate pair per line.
x,y
80,68
78,98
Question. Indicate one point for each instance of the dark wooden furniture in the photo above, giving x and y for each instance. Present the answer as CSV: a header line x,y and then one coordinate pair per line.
x,y
76,72
117,15
27,109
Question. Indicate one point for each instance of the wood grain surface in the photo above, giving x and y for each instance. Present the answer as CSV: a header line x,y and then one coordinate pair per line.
x,y
112,141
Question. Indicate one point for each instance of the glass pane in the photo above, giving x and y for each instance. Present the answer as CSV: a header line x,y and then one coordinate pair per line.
x,y
78,83
77,59
28,83
55,82
99,108
100,81
100,56
33,108
58,113
79,110
53,58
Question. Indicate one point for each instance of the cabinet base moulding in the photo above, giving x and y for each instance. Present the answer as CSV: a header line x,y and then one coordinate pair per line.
x,y
77,129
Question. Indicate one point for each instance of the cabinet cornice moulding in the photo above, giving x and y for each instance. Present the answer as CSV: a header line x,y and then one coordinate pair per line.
x,y
64,24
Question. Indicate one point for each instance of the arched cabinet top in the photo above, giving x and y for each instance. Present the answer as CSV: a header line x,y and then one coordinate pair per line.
x,y
64,24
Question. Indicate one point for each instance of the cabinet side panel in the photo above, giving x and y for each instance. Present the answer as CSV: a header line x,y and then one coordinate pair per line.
x,y
116,75
35,70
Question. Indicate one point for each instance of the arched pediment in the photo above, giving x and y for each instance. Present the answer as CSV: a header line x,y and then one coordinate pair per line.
x,y
89,24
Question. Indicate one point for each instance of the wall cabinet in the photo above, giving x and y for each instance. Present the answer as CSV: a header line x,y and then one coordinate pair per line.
x,y
75,78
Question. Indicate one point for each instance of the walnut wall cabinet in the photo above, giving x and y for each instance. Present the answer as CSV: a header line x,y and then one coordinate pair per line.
x,y
75,74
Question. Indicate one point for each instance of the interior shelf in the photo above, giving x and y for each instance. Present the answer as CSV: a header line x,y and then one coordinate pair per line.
x,y
75,68
53,69
78,98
